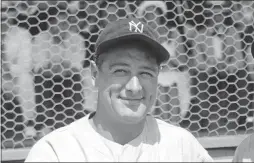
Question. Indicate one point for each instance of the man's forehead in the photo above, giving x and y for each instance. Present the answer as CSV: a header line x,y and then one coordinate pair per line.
x,y
132,53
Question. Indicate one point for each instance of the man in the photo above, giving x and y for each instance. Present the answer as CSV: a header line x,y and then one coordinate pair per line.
x,y
128,59
245,151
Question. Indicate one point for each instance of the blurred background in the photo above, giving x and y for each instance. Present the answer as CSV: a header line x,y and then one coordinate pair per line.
x,y
207,86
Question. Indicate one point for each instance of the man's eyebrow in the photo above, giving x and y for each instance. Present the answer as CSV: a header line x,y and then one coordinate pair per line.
x,y
117,64
127,65
150,68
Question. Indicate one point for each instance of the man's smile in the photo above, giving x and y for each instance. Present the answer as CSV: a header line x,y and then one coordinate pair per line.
x,y
131,101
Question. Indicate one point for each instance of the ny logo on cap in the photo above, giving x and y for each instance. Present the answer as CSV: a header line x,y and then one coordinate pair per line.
x,y
136,27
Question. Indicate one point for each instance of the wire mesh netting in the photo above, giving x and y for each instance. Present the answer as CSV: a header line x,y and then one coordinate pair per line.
x,y
206,87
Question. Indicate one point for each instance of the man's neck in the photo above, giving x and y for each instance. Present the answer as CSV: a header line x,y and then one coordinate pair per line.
x,y
115,130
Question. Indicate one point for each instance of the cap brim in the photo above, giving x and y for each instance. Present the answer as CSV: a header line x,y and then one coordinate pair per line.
x,y
162,54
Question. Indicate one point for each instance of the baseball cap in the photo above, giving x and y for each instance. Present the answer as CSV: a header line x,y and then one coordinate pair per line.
x,y
129,29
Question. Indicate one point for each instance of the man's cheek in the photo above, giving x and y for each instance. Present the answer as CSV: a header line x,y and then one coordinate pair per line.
x,y
112,91
153,98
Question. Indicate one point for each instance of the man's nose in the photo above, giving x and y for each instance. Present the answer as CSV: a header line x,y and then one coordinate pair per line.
x,y
134,85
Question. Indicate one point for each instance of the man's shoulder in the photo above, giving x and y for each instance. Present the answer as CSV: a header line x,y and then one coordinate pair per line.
x,y
178,139
62,143
169,130
60,131
63,133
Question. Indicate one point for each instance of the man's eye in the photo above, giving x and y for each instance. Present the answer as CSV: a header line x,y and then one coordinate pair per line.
x,y
147,74
120,72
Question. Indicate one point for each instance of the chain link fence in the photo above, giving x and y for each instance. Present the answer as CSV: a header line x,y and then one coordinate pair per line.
x,y
206,87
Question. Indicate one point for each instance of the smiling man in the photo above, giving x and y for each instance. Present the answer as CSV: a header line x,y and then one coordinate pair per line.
x,y
127,63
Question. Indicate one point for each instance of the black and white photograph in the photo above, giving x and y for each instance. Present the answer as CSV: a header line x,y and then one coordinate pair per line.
x,y
127,81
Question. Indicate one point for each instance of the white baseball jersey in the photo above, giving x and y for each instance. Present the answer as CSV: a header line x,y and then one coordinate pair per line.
x,y
79,142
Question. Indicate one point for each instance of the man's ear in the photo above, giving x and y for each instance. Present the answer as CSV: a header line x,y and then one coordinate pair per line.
x,y
94,72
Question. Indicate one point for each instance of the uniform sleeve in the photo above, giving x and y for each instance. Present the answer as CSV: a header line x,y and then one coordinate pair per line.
x,y
42,152
202,154
198,152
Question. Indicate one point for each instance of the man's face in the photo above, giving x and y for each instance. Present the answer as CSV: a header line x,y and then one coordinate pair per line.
x,y
127,83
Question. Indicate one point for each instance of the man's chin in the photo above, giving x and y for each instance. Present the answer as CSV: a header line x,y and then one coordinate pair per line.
x,y
133,115
130,113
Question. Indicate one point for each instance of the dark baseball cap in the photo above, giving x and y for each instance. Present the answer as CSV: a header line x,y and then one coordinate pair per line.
x,y
130,29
